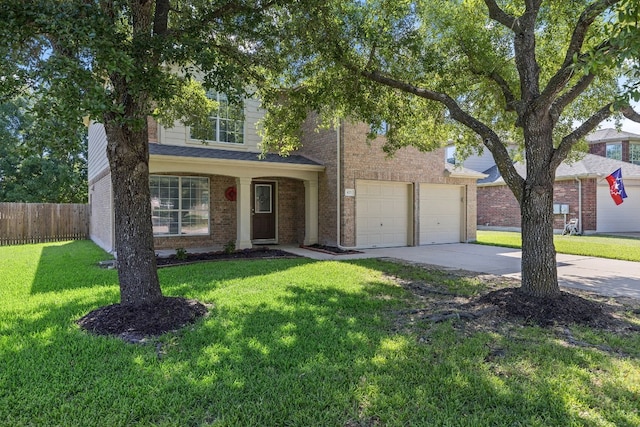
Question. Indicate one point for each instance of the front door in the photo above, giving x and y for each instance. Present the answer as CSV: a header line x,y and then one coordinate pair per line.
x,y
264,212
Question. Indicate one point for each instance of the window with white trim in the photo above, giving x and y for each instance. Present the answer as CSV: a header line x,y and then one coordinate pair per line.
x,y
450,154
634,154
226,125
614,151
179,205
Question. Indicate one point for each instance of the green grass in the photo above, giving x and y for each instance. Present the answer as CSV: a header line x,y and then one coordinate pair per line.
x,y
288,342
613,247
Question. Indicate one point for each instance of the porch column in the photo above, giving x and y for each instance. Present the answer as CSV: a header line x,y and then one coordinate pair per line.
x,y
311,211
243,213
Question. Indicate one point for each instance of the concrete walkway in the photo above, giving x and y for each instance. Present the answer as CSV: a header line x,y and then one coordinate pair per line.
x,y
603,276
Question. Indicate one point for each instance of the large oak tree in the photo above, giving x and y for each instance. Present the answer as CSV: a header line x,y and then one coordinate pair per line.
x,y
484,74
120,61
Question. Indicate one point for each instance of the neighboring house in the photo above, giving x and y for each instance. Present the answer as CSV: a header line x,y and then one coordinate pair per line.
x,y
613,144
337,184
581,191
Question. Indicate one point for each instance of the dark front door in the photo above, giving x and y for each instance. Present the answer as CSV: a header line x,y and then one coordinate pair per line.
x,y
264,211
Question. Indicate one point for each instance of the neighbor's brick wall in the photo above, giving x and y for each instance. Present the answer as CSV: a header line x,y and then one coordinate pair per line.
x,y
363,159
101,204
497,206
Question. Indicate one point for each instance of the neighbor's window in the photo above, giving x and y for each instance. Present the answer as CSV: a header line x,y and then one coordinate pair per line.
x,y
634,154
614,151
227,125
179,205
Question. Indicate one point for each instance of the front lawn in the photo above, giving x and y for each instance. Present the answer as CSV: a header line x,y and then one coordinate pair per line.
x,y
292,342
612,247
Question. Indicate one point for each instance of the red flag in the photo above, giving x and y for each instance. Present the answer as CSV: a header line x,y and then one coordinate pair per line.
x,y
616,188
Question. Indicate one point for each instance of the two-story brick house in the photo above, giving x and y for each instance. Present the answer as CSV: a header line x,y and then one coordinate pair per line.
x,y
336,190
581,190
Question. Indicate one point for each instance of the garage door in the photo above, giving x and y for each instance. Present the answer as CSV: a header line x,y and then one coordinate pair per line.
x,y
441,217
620,218
382,214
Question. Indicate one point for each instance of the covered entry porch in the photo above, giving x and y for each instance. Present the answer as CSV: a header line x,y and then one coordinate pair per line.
x,y
250,201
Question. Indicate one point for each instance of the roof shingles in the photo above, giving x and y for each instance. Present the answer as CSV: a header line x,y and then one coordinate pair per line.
x,y
214,153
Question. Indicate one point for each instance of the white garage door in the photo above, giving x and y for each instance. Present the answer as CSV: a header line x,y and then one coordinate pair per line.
x,y
382,214
620,218
440,213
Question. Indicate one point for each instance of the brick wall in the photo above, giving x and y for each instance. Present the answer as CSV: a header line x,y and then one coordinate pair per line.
x,y
321,147
497,206
599,149
290,210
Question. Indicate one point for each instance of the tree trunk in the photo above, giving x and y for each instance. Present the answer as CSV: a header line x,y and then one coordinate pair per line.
x,y
539,269
128,152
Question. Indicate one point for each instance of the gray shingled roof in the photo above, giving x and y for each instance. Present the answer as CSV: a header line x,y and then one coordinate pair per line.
x,y
215,153
610,134
590,166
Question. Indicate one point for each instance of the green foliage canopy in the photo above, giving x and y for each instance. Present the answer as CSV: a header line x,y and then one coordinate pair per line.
x,y
43,159
448,71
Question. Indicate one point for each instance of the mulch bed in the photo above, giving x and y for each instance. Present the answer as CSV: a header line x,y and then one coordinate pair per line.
x,y
133,323
333,250
261,252
567,308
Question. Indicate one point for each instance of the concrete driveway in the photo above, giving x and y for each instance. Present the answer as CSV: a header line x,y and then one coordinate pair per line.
x,y
603,276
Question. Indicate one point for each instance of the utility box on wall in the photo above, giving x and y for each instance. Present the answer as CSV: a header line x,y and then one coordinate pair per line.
x,y
560,208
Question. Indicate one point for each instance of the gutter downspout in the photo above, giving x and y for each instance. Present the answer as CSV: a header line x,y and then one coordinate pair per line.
x,y
338,130
579,204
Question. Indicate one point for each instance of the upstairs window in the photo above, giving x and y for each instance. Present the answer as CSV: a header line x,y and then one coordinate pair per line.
x,y
634,154
226,125
614,151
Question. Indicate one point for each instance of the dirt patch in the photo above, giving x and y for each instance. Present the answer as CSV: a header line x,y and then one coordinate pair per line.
x,y
262,252
134,323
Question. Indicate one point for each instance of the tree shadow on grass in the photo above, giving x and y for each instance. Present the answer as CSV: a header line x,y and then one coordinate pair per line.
x,y
330,358
314,355
69,266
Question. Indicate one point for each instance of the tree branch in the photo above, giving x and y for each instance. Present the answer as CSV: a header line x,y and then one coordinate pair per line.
x,y
630,114
499,15
511,103
161,17
490,139
582,26
567,98
567,143
566,70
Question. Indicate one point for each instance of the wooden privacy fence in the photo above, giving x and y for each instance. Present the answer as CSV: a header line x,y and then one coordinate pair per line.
x,y
42,222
